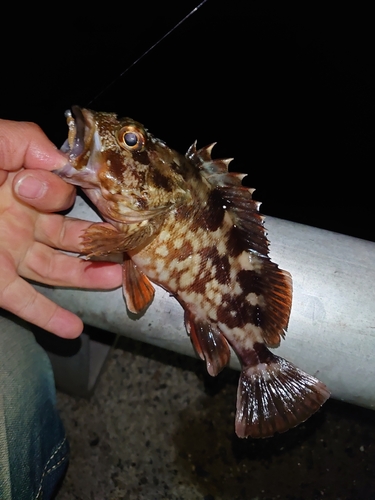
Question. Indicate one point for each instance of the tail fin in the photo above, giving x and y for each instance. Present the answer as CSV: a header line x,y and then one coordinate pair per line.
x,y
274,397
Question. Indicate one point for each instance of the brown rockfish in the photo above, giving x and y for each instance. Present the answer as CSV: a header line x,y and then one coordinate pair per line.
x,y
187,224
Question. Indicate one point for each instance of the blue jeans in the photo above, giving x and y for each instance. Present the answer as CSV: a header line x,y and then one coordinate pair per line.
x,y
33,446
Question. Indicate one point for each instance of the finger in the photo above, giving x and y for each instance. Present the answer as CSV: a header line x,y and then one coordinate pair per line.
x,y
21,299
49,266
3,176
24,144
43,190
64,233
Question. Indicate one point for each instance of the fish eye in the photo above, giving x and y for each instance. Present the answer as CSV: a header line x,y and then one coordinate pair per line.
x,y
131,138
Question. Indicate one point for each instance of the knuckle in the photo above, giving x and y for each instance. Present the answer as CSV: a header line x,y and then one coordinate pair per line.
x,y
7,149
31,127
14,139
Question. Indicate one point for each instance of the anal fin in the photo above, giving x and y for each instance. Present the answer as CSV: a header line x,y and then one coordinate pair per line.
x,y
137,288
275,396
209,343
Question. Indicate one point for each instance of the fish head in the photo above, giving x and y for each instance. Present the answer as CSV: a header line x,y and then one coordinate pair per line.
x,y
126,172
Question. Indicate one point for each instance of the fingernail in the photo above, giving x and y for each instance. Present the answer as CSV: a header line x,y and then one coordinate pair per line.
x,y
62,160
30,187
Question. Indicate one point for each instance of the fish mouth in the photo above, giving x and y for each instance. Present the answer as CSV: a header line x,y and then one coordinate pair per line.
x,y
78,147
81,130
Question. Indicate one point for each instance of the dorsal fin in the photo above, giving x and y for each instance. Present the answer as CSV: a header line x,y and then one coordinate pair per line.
x,y
236,197
203,161
248,234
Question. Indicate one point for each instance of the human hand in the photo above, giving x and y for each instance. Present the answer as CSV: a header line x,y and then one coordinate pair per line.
x,y
32,237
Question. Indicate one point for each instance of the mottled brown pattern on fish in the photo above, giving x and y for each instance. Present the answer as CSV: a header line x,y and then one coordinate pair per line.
x,y
188,225
212,215
259,354
157,178
142,157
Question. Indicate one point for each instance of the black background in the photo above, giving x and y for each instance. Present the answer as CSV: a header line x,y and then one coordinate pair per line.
x,y
288,90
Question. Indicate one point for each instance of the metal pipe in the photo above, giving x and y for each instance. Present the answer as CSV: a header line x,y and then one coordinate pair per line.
x,y
332,326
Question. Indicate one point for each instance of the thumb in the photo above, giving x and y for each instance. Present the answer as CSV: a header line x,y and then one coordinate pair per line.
x,y
43,190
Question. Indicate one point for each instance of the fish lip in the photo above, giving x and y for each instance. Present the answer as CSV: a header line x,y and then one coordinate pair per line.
x,y
81,129
78,148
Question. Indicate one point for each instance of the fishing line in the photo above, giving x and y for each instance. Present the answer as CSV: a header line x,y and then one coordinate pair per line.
x,y
147,51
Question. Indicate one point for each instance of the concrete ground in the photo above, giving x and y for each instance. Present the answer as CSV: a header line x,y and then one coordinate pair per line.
x,y
158,427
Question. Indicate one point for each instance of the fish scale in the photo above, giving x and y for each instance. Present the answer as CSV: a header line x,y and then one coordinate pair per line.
x,y
188,225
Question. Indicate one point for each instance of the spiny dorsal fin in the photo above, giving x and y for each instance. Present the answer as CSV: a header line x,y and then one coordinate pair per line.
x,y
203,161
236,197
248,234
205,152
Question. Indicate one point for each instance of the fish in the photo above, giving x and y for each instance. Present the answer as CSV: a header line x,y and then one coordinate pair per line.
x,y
189,225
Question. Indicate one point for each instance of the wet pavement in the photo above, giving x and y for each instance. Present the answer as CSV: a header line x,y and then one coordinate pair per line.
x,y
158,427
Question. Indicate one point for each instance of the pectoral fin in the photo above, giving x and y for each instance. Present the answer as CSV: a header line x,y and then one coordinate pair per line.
x,y
100,239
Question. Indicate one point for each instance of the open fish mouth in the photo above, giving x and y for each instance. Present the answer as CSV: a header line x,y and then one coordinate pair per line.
x,y
80,144
81,130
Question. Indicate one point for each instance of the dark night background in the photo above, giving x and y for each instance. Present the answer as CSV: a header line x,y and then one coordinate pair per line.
x,y
288,90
